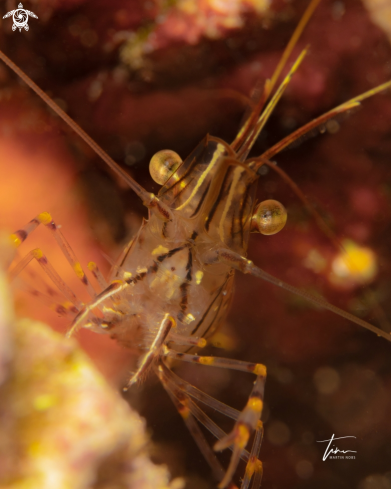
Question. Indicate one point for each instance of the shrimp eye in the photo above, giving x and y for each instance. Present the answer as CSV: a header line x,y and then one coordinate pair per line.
x,y
163,164
269,217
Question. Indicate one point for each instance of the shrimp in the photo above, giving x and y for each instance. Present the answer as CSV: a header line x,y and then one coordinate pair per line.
x,y
173,283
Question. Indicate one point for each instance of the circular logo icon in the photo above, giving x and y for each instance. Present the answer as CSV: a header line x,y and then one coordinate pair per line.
x,y
20,18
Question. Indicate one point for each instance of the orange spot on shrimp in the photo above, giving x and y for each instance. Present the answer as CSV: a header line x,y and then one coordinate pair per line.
x,y
45,218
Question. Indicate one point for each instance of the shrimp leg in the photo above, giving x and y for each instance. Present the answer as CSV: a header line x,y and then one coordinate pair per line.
x,y
45,218
38,255
249,418
180,391
241,263
186,409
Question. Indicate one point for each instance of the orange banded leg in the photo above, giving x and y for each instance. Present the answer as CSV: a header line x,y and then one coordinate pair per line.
x,y
63,309
224,255
199,438
249,418
254,368
254,465
254,468
93,268
200,396
174,384
50,271
248,421
46,219
47,295
84,314
186,409
178,389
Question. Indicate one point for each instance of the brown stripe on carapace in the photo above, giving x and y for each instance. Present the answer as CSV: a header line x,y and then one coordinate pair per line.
x,y
232,230
189,266
185,285
169,254
218,199
153,268
184,301
161,258
74,309
84,280
42,260
175,250
183,188
189,275
241,212
201,200
211,323
164,229
21,234
178,182
194,235
209,308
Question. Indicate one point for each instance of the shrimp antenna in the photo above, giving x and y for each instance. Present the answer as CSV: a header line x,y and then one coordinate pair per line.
x,y
248,130
138,189
292,43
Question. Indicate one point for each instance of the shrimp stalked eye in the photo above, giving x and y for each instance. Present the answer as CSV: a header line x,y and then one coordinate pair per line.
x,y
163,164
269,217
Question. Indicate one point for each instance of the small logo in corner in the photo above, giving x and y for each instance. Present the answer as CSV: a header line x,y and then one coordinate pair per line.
x,y
20,17
334,452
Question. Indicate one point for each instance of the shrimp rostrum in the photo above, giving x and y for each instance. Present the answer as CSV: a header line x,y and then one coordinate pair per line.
x,y
171,288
